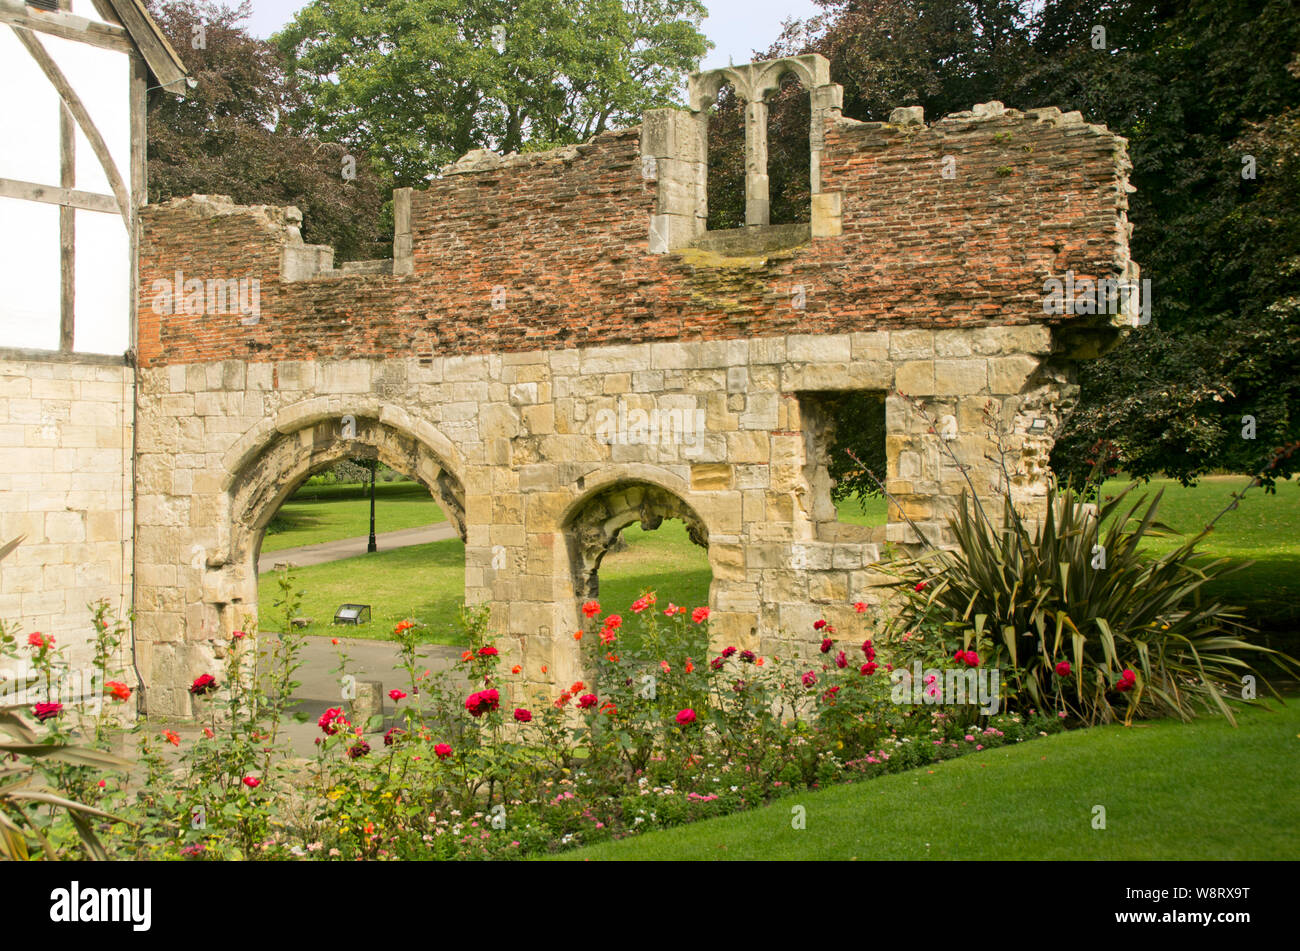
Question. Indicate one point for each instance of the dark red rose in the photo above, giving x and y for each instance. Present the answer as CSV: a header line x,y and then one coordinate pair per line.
x,y
203,684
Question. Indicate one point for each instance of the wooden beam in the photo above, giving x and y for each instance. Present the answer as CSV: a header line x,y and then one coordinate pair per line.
x,y
78,110
139,181
163,61
105,10
68,27
52,195
67,230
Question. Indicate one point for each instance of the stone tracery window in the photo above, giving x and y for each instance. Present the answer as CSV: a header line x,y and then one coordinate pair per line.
x,y
675,148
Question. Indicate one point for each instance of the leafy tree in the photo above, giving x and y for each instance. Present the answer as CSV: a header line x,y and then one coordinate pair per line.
x,y
227,135
1196,86
1215,83
417,83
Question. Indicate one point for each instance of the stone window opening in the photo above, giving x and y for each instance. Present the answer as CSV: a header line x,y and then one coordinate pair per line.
x,y
675,157
834,423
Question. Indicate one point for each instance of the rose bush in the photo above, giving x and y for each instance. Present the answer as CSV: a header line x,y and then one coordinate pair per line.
x,y
478,764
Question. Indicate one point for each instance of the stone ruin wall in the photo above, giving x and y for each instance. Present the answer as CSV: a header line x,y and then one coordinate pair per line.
x,y
530,293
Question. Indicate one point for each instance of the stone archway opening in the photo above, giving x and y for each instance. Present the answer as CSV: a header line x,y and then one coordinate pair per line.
x,y
595,528
271,478
641,537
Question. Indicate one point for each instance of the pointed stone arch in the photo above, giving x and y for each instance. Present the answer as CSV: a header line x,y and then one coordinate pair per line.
x,y
271,467
597,519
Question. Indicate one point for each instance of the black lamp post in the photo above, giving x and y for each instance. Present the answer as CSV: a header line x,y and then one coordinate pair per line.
x,y
371,546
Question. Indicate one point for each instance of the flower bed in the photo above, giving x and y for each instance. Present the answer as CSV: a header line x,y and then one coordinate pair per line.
x,y
660,735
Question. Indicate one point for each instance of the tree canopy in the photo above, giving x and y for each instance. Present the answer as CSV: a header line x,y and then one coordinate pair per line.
x,y
417,83
227,135
1208,94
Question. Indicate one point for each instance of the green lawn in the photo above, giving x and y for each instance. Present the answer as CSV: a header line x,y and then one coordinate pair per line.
x,y
1264,529
325,513
427,583
1170,791
422,582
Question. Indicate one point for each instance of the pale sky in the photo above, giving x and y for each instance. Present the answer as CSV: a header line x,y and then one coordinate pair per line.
x,y
736,27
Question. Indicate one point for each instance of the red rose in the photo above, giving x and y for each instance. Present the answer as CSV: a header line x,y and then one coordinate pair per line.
x,y
827,643
591,608
485,701
44,711
639,605
393,735
40,641
613,621
358,749
818,625
332,720
809,679
716,663
868,650
203,684
442,751
747,656
868,668
685,717
728,651
396,695
1063,669
522,715
118,690
841,660
920,586
252,782
586,701
699,615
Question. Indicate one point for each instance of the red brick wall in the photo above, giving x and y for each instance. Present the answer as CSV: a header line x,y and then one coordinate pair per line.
x,y
568,241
